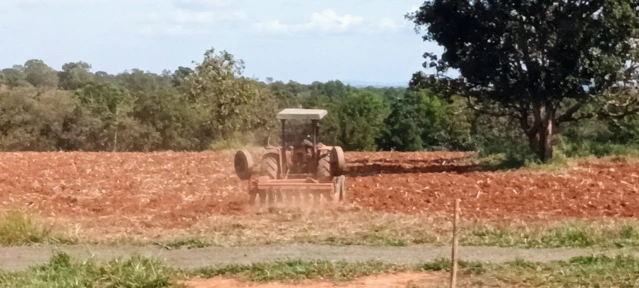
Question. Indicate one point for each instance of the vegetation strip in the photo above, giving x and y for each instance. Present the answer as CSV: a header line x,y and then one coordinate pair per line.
x,y
370,229
63,271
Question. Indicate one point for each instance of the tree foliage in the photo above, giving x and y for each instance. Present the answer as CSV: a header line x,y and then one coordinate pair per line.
x,y
540,63
213,105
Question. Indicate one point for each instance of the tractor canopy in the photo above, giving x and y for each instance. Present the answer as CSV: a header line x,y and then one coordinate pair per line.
x,y
301,114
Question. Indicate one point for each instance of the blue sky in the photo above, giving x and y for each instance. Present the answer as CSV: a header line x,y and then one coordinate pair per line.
x,y
304,41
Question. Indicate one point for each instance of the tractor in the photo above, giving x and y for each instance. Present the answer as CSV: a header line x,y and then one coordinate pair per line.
x,y
314,170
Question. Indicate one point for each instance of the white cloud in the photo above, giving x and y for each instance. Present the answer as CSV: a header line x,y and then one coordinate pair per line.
x,y
4,4
326,21
388,24
199,4
181,20
182,16
169,30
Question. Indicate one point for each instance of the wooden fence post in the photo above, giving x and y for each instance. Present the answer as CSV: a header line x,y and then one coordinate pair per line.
x,y
453,270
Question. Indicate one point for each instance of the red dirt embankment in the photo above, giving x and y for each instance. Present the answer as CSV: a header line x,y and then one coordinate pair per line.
x,y
177,188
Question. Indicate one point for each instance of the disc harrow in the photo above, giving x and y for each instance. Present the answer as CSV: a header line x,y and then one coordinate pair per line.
x,y
314,173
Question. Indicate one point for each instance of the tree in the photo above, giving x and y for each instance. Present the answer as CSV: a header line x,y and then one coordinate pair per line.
x,y
233,103
40,74
421,120
111,104
74,74
180,76
540,63
361,116
15,77
401,131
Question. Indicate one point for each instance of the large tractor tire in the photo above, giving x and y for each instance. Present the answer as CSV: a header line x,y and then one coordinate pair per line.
x,y
270,167
338,163
323,172
243,163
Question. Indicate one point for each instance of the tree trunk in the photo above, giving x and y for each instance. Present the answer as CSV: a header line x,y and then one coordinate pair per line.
x,y
541,135
533,141
546,133
115,137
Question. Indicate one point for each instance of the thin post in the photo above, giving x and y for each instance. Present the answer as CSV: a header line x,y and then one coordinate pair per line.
x,y
453,270
284,163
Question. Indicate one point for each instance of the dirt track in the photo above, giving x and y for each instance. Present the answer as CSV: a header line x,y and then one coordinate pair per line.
x,y
19,258
175,189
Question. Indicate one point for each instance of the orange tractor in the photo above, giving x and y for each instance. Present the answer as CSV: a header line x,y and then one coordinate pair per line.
x,y
313,171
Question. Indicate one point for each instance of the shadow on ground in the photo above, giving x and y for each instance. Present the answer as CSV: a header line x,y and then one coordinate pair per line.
x,y
457,165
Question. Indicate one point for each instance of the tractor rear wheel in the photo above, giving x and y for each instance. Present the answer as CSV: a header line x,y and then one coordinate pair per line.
x,y
324,168
338,163
323,174
269,167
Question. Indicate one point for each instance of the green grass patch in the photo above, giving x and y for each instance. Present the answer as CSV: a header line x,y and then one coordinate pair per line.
x,y
598,149
575,234
513,161
378,229
296,270
585,271
61,271
18,228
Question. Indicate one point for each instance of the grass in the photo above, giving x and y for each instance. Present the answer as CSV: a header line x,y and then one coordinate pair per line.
x,y
295,270
336,228
379,229
61,271
584,271
592,148
331,228
564,153
19,228
572,234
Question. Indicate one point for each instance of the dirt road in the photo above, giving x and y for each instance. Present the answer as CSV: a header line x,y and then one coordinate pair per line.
x,y
19,258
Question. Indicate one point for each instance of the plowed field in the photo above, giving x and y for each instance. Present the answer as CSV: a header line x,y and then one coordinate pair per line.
x,y
178,188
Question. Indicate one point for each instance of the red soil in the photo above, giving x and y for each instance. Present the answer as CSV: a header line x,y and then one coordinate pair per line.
x,y
177,188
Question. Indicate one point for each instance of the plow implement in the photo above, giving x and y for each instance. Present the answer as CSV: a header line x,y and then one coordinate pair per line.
x,y
296,190
306,172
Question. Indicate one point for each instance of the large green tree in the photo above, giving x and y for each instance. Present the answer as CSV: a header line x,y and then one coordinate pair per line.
x,y
539,62
232,102
110,104
74,75
15,77
39,74
361,120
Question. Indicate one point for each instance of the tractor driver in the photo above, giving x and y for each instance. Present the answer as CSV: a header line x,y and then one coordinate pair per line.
x,y
307,145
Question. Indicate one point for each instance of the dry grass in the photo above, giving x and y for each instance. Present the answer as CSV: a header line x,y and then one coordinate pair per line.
x,y
361,228
20,228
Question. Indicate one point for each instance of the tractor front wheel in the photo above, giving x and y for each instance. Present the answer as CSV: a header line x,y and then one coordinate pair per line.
x,y
243,163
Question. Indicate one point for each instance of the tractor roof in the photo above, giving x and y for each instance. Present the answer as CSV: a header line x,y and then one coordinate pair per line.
x,y
303,114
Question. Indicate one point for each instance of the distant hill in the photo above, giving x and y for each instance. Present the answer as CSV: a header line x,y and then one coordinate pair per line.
x,y
362,84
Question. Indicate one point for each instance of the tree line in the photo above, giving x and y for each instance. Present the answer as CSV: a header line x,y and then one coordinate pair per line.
x,y
534,76
212,105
